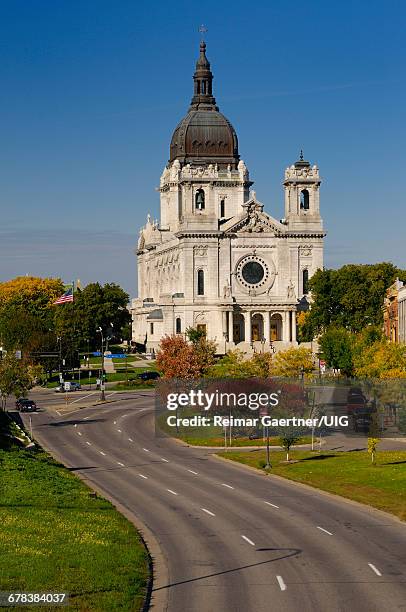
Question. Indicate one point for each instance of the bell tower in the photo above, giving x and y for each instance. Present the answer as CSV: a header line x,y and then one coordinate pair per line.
x,y
302,202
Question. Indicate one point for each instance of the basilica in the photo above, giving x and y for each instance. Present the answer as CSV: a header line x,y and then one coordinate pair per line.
x,y
215,260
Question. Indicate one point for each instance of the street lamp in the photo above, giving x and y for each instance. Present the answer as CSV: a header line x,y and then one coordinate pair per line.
x,y
102,396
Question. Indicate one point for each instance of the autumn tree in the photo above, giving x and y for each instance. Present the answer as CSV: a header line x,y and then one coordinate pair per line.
x,y
176,358
292,363
17,376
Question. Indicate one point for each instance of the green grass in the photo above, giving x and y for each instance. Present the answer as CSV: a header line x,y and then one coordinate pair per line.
x,y
55,537
349,474
218,440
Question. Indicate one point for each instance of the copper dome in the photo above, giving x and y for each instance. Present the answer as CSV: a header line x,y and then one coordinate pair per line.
x,y
204,135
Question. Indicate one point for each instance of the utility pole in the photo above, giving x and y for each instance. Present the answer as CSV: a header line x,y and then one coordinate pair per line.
x,y
102,396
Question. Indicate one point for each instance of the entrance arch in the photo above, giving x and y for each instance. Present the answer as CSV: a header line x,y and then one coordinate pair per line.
x,y
276,327
238,328
257,327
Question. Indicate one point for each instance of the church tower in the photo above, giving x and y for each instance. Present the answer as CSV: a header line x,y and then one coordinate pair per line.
x,y
302,204
204,182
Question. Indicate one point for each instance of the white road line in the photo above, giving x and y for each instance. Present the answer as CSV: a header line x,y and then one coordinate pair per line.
x,y
79,433
119,463
146,450
281,583
223,484
119,430
208,511
325,530
83,397
85,418
374,569
173,492
269,504
131,440
112,393
75,425
166,460
101,452
248,540
57,411
114,422
192,472
142,476
88,443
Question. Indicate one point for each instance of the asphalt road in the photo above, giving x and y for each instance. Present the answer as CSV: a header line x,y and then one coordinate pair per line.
x,y
231,540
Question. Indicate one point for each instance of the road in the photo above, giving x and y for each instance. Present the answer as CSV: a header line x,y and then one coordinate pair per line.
x,y
231,540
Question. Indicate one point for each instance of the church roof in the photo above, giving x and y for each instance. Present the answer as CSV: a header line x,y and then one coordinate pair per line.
x,y
204,135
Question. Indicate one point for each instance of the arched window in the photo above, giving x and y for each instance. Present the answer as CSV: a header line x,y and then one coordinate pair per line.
x,y
222,208
178,325
305,281
199,199
304,199
200,282
203,87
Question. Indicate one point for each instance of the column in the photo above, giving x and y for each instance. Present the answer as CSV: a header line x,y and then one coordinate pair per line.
x,y
224,313
267,328
293,326
247,326
230,326
285,327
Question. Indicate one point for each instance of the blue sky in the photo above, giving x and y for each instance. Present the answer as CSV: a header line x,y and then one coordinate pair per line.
x,y
92,91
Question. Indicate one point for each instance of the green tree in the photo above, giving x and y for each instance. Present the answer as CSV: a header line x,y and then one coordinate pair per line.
x,y
349,297
292,363
337,348
17,376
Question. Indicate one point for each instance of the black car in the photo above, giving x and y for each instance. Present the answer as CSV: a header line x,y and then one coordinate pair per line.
x,y
151,375
26,405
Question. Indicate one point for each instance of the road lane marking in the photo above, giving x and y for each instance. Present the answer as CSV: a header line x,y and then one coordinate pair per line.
x,y
325,530
166,460
173,492
119,430
131,440
269,504
79,433
192,472
119,463
208,511
112,393
101,452
114,422
248,540
75,425
146,450
281,583
142,476
88,443
374,569
223,484
85,418
83,397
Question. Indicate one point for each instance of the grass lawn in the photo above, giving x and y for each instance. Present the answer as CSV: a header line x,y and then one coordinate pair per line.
x,y
217,440
349,474
54,537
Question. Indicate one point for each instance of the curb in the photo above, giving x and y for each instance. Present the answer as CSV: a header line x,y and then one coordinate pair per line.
x,y
312,489
156,558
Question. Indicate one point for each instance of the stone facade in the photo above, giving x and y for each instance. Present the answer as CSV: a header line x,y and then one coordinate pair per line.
x,y
216,260
391,311
402,314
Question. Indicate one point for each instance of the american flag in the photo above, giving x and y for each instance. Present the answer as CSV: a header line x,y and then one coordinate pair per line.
x,y
66,297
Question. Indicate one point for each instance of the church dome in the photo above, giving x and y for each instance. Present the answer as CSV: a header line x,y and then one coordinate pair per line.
x,y
204,135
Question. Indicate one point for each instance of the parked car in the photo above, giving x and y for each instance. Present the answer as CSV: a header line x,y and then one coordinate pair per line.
x,y
26,405
149,375
69,385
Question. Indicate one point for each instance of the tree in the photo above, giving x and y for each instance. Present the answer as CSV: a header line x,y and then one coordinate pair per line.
x,y
17,376
235,365
337,348
205,351
349,297
382,359
288,439
194,335
177,359
292,363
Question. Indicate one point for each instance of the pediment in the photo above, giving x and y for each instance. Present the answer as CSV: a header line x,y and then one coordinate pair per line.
x,y
254,222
